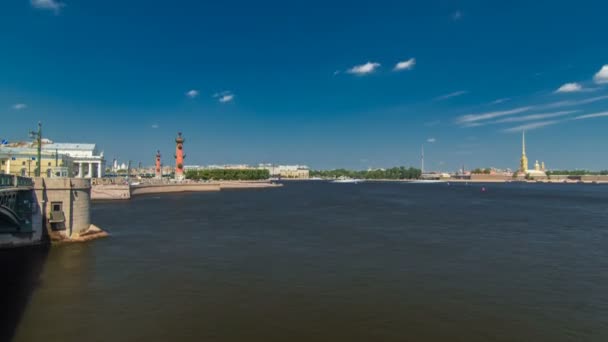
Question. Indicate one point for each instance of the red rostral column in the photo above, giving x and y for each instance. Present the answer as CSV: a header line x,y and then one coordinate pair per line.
x,y
158,167
179,156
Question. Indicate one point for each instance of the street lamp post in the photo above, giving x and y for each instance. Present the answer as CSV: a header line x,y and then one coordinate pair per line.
x,y
422,159
38,137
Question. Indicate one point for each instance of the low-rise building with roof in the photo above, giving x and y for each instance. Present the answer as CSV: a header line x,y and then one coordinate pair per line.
x,y
57,160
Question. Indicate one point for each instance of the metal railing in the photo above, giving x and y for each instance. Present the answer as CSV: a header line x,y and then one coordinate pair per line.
x,y
15,181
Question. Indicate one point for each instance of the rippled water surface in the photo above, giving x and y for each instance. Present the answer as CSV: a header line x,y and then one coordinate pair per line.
x,y
315,261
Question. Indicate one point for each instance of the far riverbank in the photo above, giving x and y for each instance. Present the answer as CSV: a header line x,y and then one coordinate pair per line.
x,y
126,191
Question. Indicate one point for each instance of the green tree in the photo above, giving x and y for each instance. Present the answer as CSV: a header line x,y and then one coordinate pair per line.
x,y
228,174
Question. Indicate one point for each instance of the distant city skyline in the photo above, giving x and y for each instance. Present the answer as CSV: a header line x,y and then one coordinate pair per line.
x,y
320,83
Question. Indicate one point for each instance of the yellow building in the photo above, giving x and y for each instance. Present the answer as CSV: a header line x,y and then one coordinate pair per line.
x,y
24,161
298,173
80,160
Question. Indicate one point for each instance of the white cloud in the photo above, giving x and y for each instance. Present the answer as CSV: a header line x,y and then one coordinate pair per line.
x,y
457,15
224,96
155,126
19,106
569,88
602,76
405,65
431,140
591,116
499,101
574,103
529,127
364,69
52,5
450,95
533,117
473,118
192,93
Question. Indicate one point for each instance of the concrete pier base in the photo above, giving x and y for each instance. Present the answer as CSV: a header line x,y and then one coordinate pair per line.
x,y
92,233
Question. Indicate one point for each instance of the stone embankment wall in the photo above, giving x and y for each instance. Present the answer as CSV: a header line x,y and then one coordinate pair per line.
x,y
598,178
110,192
168,188
574,179
490,178
122,192
248,184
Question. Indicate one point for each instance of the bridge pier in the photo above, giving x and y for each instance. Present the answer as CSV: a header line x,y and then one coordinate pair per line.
x,y
65,206
47,209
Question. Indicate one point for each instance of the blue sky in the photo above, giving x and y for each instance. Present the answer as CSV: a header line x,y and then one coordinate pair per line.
x,y
328,84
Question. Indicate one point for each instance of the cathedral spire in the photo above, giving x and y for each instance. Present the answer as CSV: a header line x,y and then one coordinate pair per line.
x,y
523,162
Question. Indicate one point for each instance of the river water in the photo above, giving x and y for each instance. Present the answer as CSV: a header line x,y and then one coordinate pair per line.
x,y
315,261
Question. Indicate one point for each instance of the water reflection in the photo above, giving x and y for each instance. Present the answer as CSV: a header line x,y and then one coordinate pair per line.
x,y
326,262
21,269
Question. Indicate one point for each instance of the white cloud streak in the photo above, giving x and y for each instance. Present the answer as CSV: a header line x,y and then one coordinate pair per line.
x,y
591,116
540,124
602,76
19,106
472,118
405,65
364,69
533,117
450,95
52,5
531,126
570,103
431,140
569,88
499,101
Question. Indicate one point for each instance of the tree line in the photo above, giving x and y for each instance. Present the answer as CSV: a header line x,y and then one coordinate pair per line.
x,y
479,171
228,174
392,173
577,172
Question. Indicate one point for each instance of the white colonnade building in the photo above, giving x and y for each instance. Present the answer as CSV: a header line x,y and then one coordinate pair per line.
x,y
86,161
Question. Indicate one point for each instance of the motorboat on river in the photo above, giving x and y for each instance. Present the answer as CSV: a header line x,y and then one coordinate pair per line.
x,y
346,180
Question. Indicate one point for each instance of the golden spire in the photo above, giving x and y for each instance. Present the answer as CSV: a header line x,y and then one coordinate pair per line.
x,y
523,163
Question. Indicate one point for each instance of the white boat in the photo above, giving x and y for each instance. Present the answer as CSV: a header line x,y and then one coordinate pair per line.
x,y
426,181
347,180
